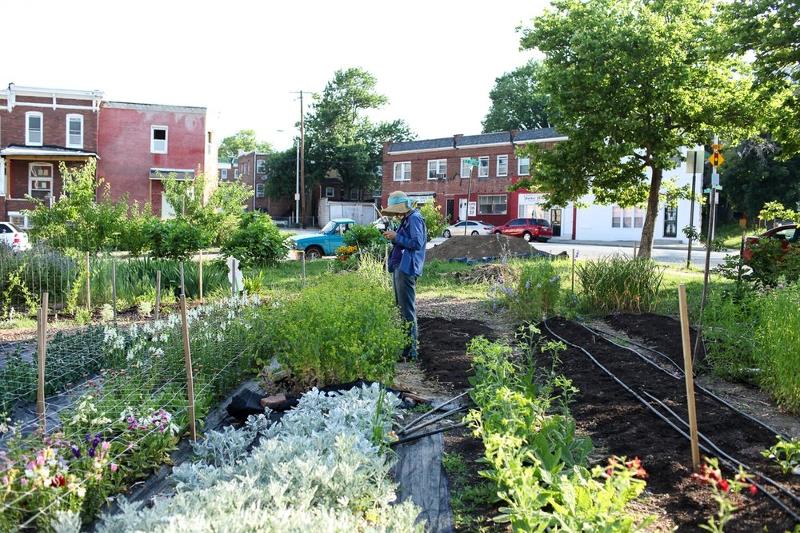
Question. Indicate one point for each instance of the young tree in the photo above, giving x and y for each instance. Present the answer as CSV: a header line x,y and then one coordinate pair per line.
x,y
241,141
518,102
630,82
341,137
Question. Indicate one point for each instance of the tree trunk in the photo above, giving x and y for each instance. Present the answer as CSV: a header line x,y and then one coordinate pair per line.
x,y
648,229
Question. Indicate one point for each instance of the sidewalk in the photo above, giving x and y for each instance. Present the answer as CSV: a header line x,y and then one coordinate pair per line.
x,y
662,245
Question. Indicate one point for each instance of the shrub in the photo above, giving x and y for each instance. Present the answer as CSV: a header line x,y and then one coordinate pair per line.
x,y
619,284
256,241
24,276
770,261
538,291
175,238
730,319
344,328
435,220
363,236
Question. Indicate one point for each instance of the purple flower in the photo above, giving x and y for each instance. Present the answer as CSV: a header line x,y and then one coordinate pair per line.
x,y
91,451
75,451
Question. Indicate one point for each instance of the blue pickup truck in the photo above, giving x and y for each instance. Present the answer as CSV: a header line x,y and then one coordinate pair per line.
x,y
326,241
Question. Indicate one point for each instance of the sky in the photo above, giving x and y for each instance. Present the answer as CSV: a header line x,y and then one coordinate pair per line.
x,y
436,60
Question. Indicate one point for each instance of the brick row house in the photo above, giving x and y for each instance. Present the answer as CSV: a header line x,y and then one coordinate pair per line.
x,y
135,145
441,169
252,171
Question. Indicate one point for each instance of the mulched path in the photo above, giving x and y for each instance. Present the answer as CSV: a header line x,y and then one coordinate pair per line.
x,y
619,424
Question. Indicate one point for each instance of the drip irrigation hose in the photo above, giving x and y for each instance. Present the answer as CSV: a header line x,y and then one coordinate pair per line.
x,y
660,415
437,408
721,452
706,391
434,419
427,434
606,336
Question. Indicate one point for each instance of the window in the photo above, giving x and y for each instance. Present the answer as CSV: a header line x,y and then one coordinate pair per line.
x,y
493,204
40,180
34,125
261,166
402,171
466,168
330,192
354,195
2,177
437,168
259,190
75,131
629,217
502,165
244,168
223,174
19,220
523,166
236,173
483,166
671,221
158,139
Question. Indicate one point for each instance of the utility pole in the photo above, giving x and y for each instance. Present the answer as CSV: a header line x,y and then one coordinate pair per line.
x,y
691,206
302,162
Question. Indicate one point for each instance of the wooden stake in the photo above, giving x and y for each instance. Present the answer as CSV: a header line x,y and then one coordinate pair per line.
x,y
88,283
114,288
573,271
158,293
200,275
688,371
183,285
304,268
41,357
187,357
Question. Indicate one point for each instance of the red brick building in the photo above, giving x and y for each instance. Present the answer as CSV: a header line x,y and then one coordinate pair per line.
x,y
38,129
141,144
438,169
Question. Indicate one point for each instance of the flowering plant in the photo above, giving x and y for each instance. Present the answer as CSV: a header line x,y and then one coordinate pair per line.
x,y
723,490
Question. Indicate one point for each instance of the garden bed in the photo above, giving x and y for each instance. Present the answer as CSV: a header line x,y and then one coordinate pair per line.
x,y
443,348
620,424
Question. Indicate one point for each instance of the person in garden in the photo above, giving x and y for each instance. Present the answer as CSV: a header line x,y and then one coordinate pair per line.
x,y
406,260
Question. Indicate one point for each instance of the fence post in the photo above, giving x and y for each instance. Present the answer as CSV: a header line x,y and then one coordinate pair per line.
x,y
200,276
88,283
183,286
687,370
158,293
114,288
187,357
41,356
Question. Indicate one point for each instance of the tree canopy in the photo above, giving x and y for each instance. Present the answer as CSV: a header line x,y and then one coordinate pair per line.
x,y
241,141
340,135
518,101
630,83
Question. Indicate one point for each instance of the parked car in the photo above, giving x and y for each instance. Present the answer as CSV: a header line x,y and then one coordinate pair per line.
x,y
13,237
786,234
528,228
468,227
326,241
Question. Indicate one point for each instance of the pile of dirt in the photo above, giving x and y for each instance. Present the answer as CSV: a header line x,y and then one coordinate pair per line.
x,y
477,247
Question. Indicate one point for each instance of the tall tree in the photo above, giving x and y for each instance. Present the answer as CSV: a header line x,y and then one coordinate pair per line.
x,y
340,135
769,29
518,101
241,141
630,82
754,175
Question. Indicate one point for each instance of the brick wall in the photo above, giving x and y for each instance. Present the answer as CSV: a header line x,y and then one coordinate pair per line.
x,y
12,126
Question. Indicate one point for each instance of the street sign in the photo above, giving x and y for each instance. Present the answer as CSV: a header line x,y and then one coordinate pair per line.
x,y
716,159
472,161
472,209
716,147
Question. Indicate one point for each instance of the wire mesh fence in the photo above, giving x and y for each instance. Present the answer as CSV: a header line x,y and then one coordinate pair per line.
x,y
113,400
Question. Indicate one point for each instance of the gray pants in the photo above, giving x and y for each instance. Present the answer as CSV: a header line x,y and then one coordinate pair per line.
x,y
405,294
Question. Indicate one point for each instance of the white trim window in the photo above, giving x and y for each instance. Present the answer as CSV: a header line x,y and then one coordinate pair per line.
x,y
223,174
259,190
2,177
437,169
159,139
402,171
354,195
502,166
261,166
493,204
18,219
330,192
483,166
74,135
40,180
628,217
523,166
34,128
466,169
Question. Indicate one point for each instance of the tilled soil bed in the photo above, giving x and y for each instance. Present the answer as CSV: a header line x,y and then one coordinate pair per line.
x,y
443,348
619,424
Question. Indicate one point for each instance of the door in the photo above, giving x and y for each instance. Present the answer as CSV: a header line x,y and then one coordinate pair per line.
x,y
462,208
450,211
671,221
555,222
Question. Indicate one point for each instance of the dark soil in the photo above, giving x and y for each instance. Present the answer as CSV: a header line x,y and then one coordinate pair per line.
x,y
658,330
621,425
477,247
443,348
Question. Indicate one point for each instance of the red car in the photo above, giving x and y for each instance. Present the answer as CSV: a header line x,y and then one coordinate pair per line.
x,y
528,228
787,235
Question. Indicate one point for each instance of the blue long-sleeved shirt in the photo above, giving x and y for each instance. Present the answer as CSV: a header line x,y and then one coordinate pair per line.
x,y
408,253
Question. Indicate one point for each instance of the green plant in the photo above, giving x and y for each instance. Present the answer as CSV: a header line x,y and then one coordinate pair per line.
x,y
435,221
363,236
538,291
83,316
786,453
619,284
775,212
175,238
722,489
256,241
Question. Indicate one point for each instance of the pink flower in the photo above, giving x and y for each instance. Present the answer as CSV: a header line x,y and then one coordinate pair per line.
x,y
114,467
105,445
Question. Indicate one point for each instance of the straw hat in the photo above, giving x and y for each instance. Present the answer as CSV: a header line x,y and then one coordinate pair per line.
x,y
398,205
